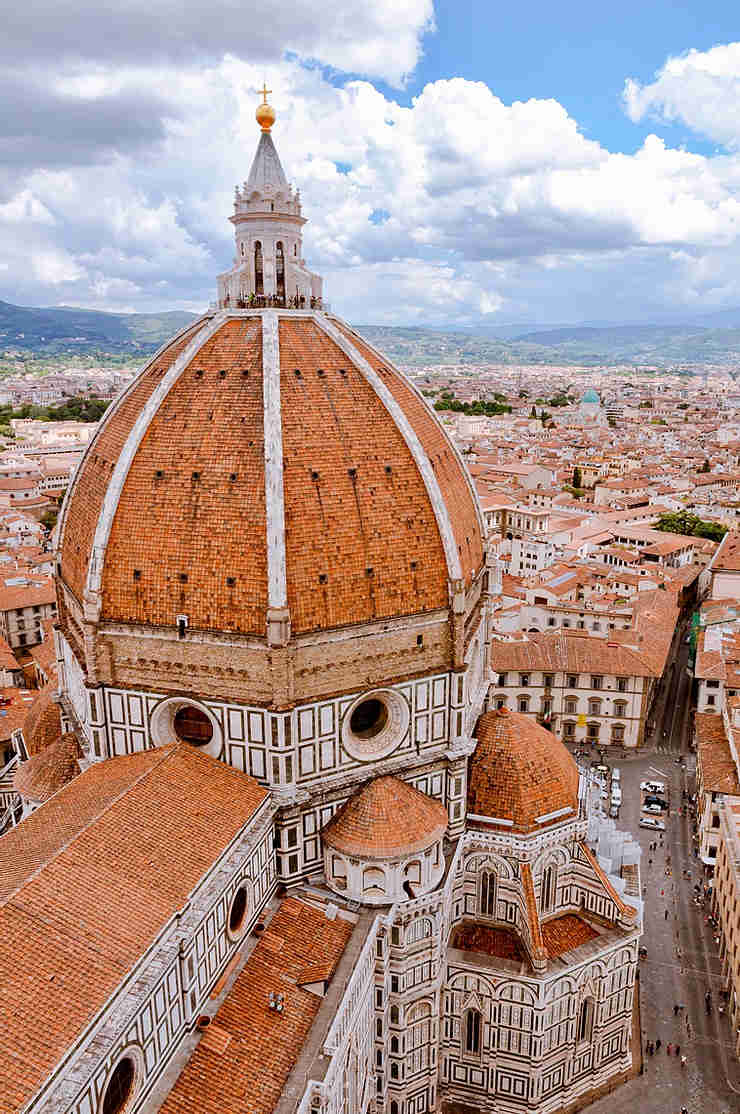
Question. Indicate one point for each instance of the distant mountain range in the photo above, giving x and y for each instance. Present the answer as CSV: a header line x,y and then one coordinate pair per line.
x,y
67,331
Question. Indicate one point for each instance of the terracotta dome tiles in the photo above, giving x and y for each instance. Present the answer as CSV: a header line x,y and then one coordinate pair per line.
x,y
448,469
520,774
191,517
189,531
91,481
362,541
387,818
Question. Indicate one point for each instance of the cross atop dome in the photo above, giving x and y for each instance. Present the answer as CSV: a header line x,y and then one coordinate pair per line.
x,y
265,113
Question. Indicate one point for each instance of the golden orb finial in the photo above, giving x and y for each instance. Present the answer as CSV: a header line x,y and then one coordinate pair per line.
x,y
265,113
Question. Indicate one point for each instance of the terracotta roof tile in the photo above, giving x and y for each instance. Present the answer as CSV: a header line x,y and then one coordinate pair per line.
x,y
47,772
89,880
562,934
519,772
247,1075
715,765
501,943
387,817
42,723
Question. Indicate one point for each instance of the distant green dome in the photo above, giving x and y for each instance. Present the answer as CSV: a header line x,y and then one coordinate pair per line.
x,y
591,396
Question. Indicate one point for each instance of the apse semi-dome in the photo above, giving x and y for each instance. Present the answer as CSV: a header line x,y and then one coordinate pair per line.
x,y
385,843
521,777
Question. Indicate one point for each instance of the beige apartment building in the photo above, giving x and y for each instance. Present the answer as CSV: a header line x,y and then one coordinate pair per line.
x,y
726,905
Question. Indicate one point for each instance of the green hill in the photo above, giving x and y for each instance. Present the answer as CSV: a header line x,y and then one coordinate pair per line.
x,y
65,330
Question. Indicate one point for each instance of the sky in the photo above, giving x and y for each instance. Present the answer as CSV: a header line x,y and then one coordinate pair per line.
x,y
460,162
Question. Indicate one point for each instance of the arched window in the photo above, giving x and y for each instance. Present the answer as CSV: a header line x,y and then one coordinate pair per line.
x,y
259,285
585,1020
413,872
373,881
280,270
488,894
549,884
471,1024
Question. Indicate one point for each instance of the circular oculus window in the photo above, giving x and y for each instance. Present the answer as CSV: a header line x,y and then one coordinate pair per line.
x,y
375,725
238,910
122,1083
177,718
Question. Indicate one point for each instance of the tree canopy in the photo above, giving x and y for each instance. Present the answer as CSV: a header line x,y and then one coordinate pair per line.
x,y
690,525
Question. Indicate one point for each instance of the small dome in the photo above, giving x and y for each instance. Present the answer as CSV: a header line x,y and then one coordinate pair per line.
x,y
521,776
591,396
47,772
386,819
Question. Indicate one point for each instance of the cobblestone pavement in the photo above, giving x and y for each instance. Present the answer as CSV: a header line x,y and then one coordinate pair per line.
x,y
682,963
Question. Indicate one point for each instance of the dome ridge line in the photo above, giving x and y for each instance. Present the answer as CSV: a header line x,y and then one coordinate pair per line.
x,y
277,584
415,390
111,411
125,459
441,514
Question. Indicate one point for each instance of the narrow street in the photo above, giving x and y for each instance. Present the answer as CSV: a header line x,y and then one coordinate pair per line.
x,y
682,961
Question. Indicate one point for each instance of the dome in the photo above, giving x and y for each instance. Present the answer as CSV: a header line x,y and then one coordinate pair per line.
x,y
266,460
47,772
590,396
521,776
386,819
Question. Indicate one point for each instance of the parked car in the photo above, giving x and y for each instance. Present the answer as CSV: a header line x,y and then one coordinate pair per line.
x,y
653,823
656,801
653,809
652,786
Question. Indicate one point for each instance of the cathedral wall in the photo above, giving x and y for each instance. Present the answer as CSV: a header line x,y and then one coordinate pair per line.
x,y
159,1002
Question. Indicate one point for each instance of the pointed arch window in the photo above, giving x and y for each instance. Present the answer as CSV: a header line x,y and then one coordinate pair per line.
x,y
585,1020
280,269
488,893
472,1028
259,283
549,885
